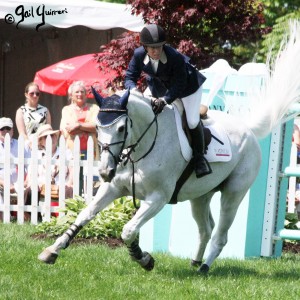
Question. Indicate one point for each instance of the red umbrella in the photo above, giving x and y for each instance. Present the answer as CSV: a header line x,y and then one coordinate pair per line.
x,y
57,78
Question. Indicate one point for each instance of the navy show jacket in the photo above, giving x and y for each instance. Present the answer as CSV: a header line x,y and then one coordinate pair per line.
x,y
175,77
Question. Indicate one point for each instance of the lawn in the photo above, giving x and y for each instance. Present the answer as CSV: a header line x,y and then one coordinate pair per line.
x,y
98,272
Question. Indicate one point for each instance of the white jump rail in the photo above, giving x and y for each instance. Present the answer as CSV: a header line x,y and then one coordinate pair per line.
x,y
289,234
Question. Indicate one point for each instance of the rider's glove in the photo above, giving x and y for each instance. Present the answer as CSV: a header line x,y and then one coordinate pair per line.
x,y
158,105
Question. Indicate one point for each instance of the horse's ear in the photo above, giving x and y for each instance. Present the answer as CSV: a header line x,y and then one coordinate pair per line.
x,y
124,99
97,96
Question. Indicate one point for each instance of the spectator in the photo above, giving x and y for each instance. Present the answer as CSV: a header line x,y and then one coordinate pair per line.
x,y
296,141
6,127
79,118
42,133
31,115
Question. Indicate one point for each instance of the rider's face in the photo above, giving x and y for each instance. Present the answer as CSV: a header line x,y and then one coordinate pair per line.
x,y
154,52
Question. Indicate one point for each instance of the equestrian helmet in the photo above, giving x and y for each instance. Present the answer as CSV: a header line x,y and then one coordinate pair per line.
x,y
153,35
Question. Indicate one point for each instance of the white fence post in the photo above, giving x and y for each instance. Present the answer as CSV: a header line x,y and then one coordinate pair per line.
x,y
62,168
34,174
20,183
7,166
77,163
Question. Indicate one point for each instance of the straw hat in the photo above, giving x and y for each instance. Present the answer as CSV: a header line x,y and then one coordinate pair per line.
x,y
46,130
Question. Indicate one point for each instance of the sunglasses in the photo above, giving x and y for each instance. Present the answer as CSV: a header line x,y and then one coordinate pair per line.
x,y
5,128
34,93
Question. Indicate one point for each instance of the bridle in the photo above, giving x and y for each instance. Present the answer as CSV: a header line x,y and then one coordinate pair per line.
x,y
125,156
106,146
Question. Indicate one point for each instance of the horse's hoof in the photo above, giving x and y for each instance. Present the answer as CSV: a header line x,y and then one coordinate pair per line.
x,y
150,265
196,263
146,262
203,270
48,257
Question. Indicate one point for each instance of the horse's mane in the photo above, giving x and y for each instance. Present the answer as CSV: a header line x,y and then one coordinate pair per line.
x,y
281,88
140,100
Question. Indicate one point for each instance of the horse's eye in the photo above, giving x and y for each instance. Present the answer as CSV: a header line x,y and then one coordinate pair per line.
x,y
121,128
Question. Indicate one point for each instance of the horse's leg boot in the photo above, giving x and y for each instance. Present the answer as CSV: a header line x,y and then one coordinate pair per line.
x,y
202,166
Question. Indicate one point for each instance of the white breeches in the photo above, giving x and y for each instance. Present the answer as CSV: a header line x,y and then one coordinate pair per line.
x,y
191,105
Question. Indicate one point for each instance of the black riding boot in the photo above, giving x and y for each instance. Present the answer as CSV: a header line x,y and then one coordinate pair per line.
x,y
202,166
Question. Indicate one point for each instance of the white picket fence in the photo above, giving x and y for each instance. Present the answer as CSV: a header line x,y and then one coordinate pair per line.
x,y
12,203
90,167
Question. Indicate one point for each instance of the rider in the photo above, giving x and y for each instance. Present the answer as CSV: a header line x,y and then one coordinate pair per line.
x,y
170,76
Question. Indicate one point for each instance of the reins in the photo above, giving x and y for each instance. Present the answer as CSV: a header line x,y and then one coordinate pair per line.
x,y
132,148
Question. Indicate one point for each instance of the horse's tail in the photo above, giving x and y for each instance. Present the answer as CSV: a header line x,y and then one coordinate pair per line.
x,y
281,88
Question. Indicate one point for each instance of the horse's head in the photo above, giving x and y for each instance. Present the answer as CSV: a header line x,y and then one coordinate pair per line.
x,y
112,131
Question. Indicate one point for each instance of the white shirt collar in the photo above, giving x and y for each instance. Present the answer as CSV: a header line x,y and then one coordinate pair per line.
x,y
162,59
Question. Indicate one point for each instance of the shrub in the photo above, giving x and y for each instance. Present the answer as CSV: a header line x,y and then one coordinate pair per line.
x,y
107,223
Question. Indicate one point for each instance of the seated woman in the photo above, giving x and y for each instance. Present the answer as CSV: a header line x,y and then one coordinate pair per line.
x,y
31,115
42,133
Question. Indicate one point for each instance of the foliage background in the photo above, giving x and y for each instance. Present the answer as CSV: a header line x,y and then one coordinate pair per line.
x,y
203,30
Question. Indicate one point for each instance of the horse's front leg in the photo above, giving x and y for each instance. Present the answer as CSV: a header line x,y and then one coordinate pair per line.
x,y
105,195
149,208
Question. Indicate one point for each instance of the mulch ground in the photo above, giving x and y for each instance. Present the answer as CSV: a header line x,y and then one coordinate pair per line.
x,y
110,242
115,243
291,247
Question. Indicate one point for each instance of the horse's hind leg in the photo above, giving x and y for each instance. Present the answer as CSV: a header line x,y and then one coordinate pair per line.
x,y
230,202
203,217
233,190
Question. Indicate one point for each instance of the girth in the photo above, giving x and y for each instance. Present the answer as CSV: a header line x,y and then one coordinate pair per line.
x,y
189,169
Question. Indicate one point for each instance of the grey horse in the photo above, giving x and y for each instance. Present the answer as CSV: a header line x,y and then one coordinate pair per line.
x,y
142,151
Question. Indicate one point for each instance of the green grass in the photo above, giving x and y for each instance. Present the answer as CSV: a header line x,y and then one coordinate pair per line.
x,y
98,272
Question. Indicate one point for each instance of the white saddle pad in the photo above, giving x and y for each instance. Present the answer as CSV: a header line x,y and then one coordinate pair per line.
x,y
218,150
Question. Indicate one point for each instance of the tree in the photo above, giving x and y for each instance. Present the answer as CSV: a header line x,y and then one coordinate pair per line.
x,y
278,15
205,30
272,41
274,9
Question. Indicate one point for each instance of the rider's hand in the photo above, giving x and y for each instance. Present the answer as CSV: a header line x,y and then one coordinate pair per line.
x,y
158,105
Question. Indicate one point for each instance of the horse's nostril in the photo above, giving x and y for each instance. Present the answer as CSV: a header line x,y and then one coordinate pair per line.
x,y
111,173
105,177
